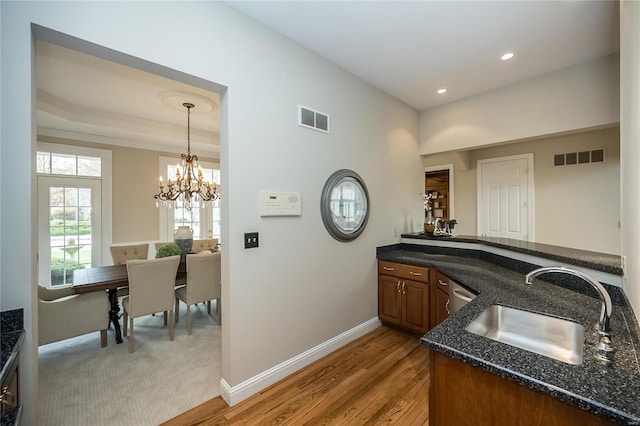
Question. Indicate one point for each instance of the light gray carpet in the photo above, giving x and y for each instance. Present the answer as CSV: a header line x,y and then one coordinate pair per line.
x,y
83,384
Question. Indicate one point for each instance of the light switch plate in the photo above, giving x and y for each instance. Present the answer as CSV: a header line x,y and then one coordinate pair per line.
x,y
250,240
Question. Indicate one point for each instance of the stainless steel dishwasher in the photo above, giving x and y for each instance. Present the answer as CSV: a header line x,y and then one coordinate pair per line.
x,y
458,296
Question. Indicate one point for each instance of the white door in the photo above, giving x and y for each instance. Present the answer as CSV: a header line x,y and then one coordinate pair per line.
x,y
69,227
505,197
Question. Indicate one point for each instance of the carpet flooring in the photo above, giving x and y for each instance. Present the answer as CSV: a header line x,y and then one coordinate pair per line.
x,y
83,384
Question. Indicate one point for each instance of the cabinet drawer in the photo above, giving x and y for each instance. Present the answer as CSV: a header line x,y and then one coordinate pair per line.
x,y
443,282
414,273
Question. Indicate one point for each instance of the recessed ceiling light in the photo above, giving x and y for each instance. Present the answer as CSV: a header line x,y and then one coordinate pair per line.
x,y
441,91
507,56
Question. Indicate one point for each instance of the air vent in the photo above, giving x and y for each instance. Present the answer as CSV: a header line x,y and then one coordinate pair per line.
x,y
582,157
312,119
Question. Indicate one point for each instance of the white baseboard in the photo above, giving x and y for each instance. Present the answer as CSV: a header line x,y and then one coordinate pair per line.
x,y
235,394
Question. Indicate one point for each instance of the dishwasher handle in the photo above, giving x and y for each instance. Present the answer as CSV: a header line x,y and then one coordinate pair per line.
x,y
461,296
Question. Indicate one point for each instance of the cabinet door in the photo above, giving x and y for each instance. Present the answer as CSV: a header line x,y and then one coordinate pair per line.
x,y
415,305
389,299
442,306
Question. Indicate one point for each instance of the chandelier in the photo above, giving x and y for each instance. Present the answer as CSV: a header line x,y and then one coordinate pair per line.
x,y
189,185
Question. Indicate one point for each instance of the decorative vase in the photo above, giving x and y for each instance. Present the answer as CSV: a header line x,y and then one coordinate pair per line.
x,y
183,237
429,223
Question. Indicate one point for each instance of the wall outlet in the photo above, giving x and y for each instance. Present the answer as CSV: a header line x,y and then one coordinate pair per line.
x,y
250,240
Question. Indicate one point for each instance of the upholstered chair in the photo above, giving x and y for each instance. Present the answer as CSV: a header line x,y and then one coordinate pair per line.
x,y
120,254
201,245
151,289
62,314
203,284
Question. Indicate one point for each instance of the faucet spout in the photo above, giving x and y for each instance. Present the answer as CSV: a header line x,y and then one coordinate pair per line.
x,y
605,350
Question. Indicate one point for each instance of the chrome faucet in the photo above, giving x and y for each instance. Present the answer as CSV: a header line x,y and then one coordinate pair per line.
x,y
604,347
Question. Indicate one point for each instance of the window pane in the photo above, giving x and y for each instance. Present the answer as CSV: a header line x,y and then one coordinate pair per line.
x,y
62,164
89,166
43,162
84,197
56,196
71,197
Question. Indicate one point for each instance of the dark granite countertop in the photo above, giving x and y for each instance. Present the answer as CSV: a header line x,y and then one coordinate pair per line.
x,y
607,390
11,337
603,262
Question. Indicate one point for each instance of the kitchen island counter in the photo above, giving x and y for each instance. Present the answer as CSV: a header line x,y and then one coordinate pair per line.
x,y
610,390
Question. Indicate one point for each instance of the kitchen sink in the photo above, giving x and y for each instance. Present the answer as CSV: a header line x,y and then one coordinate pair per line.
x,y
554,337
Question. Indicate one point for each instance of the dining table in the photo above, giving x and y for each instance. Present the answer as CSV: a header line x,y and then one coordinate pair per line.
x,y
110,278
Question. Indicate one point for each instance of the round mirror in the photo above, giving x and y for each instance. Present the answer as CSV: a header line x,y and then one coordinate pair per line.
x,y
344,205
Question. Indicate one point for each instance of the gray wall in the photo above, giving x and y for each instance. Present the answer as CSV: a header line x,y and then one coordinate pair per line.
x,y
300,288
575,206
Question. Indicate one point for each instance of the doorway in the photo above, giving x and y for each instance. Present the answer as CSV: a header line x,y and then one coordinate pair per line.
x,y
438,181
69,227
125,185
505,197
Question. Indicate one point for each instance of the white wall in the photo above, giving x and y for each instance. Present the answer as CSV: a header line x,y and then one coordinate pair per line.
x,y
300,287
630,146
578,97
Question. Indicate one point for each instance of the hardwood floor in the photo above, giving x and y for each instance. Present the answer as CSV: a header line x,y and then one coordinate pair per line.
x,y
382,377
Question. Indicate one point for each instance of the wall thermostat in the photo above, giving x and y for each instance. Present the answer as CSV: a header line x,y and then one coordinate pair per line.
x,y
280,204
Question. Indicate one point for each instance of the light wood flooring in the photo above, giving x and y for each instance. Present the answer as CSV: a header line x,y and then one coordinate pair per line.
x,y
382,377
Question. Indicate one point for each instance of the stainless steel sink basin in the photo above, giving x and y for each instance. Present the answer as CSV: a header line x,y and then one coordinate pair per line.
x,y
553,337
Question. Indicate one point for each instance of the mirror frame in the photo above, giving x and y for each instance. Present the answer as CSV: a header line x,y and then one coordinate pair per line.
x,y
332,182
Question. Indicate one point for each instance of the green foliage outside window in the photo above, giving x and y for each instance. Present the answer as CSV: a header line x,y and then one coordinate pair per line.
x,y
58,271
58,227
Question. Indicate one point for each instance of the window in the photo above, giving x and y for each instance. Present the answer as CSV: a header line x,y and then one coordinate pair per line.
x,y
74,219
204,219
52,163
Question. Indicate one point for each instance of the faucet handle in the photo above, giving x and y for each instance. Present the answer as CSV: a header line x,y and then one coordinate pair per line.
x,y
604,349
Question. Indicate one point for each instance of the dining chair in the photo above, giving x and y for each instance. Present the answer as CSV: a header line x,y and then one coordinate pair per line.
x,y
151,289
121,254
208,244
63,314
203,284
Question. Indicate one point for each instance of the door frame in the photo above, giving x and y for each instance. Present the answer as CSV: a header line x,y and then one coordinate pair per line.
x,y
106,158
530,191
451,185
44,255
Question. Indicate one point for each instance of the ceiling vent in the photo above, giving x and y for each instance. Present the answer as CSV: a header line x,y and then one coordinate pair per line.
x,y
312,119
582,157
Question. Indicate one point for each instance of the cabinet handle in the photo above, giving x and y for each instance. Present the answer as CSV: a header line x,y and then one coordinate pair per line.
x,y
398,287
415,274
447,306
442,282
403,290
7,399
386,268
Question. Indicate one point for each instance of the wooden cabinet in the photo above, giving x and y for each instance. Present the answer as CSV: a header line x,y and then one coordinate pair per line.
x,y
403,296
439,298
488,399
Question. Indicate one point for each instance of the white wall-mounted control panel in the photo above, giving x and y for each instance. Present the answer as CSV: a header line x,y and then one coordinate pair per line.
x,y
280,204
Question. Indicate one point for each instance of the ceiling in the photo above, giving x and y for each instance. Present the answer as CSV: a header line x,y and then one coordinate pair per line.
x,y
409,49
82,97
